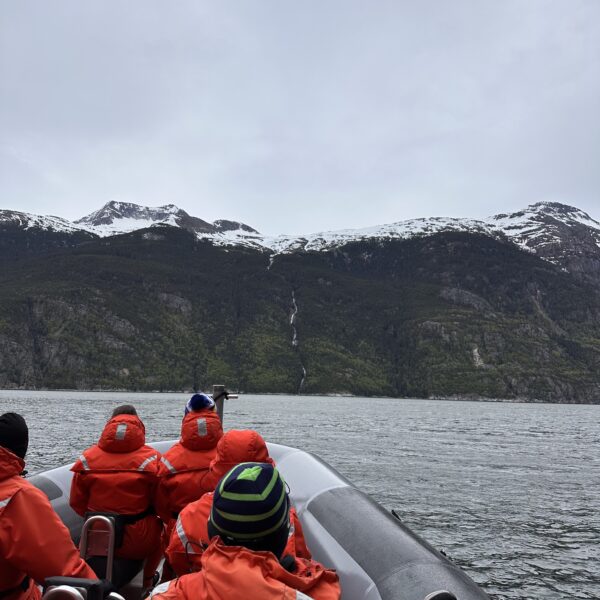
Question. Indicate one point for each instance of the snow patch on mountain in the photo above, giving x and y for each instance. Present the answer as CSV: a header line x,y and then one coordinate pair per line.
x,y
125,225
401,230
549,229
539,225
124,217
317,242
28,221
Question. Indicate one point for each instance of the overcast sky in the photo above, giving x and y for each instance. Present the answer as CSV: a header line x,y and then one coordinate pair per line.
x,y
300,116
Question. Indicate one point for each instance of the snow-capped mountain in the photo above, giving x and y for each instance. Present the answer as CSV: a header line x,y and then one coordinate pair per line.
x,y
26,221
123,217
541,228
561,234
557,233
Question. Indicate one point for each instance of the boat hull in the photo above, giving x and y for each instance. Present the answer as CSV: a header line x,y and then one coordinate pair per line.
x,y
376,556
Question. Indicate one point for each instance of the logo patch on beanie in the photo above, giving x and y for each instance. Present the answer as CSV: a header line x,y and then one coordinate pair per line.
x,y
250,474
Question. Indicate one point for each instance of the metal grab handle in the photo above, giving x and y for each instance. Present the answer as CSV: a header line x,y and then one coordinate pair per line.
x,y
441,595
110,528
67,592
64,592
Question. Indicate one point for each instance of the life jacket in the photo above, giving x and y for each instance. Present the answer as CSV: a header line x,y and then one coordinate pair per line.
x,y
185,464
236,573
190,538
34,543
119,475
235,447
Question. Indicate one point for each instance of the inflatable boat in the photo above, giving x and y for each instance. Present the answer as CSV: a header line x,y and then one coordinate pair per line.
x,y
375,555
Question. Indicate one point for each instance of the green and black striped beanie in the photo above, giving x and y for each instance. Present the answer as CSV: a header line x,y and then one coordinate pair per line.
x,y
251,508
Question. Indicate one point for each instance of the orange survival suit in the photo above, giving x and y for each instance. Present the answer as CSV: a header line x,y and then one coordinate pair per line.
x,y
119,475
190,537
34,543
236,573
183,467
235,447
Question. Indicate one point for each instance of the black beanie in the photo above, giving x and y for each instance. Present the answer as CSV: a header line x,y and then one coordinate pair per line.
x,y
14,435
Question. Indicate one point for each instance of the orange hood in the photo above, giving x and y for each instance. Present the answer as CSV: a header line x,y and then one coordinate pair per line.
x,y
241,445
201,430
218,562
236,446
123,433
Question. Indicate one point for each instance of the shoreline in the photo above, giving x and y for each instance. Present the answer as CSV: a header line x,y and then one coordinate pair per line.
x,y
450,398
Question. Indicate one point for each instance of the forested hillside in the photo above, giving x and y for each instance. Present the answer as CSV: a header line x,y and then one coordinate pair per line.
x,y
451,314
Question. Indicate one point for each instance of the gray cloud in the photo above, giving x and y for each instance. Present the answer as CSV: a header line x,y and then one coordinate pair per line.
x,y
300,116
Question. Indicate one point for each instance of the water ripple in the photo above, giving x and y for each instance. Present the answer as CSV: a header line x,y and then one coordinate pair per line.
x,y
509,491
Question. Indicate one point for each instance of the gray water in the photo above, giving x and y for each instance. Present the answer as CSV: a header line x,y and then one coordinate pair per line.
x,y
509,491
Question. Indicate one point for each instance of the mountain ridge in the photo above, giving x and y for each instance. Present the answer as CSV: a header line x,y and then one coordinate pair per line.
x,y
557,233
138,216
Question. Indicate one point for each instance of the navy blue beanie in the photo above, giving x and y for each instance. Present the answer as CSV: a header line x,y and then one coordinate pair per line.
x,y
14,434
251,508
199,402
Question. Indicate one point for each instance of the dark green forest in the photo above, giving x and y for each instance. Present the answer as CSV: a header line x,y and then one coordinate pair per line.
x,y
447,315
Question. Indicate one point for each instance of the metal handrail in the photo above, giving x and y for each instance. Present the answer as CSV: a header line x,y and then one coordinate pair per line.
x,y
219,395
110,556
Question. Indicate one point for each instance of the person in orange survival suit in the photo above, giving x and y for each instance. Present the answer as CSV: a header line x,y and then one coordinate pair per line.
x,y
249,527
34,543
236,446
185,464
190,536
119,476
